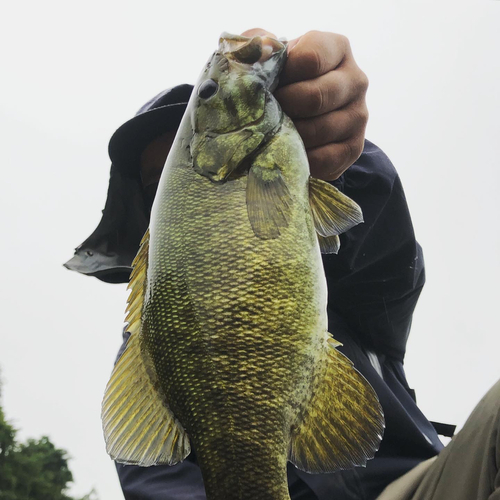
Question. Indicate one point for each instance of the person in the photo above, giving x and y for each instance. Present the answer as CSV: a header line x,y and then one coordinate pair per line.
x,y
373,283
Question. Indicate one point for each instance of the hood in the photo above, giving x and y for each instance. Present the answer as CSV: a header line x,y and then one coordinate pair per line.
x,y
108,252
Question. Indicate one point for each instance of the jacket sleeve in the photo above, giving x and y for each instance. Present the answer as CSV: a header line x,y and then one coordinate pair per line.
x,y
375,280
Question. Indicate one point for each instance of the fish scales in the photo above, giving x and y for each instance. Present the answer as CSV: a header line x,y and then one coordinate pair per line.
x,y
230,342
231,356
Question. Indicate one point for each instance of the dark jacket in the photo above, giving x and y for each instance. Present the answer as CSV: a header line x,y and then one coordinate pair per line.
x,y
373,283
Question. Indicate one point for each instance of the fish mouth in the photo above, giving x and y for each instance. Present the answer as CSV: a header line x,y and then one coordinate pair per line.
x,y
249,50
266,54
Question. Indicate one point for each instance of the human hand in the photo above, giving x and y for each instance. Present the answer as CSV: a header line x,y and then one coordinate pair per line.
x,y
323,91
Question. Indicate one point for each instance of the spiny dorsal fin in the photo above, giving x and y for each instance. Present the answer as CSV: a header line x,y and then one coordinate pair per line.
x,y
268,202
343,423
139,428
333,212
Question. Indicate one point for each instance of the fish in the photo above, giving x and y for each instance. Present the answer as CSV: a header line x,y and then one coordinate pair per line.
x,y
230,354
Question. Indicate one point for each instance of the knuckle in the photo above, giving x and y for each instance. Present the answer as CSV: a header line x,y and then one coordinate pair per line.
x,y
358,82
363,81
364,114
342,41
362,120
345,41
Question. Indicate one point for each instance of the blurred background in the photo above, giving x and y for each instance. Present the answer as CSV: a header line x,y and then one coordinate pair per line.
x,y
74,72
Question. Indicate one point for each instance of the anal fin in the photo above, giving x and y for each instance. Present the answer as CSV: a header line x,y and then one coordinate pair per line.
x,y
342,425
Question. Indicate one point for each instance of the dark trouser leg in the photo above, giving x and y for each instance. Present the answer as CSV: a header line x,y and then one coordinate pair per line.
x,y
179,482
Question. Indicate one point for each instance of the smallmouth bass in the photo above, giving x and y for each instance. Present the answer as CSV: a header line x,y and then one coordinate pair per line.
x,y
229,350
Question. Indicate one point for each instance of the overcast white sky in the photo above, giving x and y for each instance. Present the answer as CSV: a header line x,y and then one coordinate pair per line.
x,y
74,72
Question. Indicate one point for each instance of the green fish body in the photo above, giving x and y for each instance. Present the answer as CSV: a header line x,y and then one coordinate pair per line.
x,y
229,350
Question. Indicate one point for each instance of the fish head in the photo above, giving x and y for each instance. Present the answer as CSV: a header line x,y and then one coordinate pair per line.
x,y
234,110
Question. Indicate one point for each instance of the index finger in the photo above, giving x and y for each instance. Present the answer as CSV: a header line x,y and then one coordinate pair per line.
x,y
313,55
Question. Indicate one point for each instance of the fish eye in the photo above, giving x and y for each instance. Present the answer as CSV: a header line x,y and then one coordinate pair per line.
x,y
207,89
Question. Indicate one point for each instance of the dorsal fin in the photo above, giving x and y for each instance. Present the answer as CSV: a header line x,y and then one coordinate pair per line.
x,y
139,427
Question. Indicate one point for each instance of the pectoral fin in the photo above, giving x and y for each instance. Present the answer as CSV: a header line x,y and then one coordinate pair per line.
x,y
333,212
342,425
139,427
268,201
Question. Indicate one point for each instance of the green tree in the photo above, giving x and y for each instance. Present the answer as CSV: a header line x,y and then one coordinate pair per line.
x,y
35,470
7,441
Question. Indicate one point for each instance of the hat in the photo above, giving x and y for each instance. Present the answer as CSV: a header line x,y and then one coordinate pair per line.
x,y
161,114
108,252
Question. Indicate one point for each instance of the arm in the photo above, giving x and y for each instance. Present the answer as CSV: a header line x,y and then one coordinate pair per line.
x,y
375,280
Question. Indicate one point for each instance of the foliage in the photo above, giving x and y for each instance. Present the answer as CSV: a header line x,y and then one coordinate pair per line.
x,y
34,470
